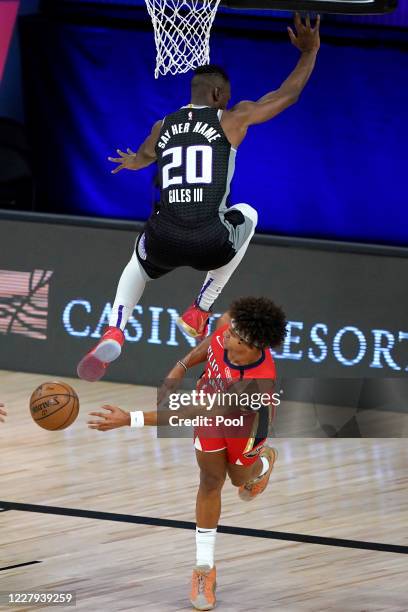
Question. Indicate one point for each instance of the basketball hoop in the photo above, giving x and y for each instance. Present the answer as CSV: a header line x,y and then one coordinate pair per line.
x,y
182,31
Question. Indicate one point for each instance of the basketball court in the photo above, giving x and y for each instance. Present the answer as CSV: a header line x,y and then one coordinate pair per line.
x,y
107,519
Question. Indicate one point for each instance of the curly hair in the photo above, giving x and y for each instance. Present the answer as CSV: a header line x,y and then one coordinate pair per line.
x,y
259,320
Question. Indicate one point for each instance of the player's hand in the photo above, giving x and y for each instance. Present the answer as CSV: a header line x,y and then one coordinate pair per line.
x,y
125,161
112,418
3,413
306,38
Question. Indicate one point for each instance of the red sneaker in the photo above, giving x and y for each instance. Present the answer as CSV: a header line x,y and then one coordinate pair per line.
x,y
92,367
195,322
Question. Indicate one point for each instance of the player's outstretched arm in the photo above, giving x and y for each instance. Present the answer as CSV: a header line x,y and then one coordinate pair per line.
x,y
114,417
307,40
3,413
144,156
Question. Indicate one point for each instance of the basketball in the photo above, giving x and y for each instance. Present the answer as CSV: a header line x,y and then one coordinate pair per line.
x,y
54,405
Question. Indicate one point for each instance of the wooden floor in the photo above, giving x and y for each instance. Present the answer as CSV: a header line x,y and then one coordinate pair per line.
x,y
353,489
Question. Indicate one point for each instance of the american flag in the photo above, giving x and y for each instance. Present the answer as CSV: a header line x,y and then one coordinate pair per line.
x,y
24,302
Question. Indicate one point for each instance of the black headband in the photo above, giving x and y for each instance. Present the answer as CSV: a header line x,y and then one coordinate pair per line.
x,y
242,336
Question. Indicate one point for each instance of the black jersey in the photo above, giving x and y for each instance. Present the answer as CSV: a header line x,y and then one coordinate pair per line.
x,y
196,163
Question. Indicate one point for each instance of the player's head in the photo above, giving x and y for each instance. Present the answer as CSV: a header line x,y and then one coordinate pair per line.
x,y
256,322
210,86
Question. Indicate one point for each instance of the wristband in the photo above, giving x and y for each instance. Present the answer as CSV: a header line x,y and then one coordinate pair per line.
x,y
137,419
182,364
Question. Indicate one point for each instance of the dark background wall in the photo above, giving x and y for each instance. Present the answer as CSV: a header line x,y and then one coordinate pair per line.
x,y
348,313
332,166
11,98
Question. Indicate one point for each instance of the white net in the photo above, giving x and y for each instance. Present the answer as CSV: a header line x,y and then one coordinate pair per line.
x,y
182,31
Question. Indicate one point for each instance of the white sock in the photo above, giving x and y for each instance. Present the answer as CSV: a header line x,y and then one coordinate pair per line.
x,y
216,280
265,467
130,289
205,544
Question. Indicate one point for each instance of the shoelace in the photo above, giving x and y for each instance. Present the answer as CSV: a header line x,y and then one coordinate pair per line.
x,y
201,583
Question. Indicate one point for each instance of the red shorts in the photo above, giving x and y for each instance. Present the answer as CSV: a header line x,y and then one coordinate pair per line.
x,y
243,443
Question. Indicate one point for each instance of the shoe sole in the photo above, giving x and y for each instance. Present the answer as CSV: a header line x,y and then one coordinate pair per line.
x,y
190,331
206,607
245,494
92,367
107,351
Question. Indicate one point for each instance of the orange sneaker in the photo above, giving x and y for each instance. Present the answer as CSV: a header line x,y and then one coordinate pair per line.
x,y
251,489
194,321
93,366
203,587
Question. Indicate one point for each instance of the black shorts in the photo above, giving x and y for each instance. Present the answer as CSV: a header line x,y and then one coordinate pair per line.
x,y
164,245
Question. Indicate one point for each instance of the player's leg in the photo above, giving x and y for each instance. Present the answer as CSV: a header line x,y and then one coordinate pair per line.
x,y
195,320
140,269
240,474
253,478
130,289
216,280
213,470
250,460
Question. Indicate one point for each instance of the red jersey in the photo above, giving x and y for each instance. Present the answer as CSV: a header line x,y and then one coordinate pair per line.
x,y
219,367
242,444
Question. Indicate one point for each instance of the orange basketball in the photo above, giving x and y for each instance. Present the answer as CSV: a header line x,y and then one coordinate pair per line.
x,y
54,405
